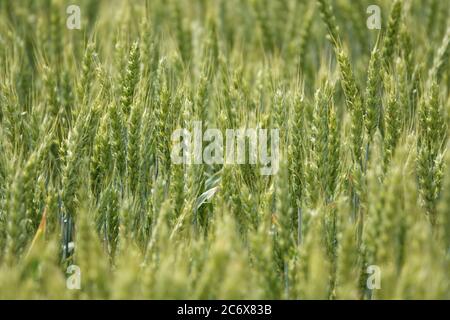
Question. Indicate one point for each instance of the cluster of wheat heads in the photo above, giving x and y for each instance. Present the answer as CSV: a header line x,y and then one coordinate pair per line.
x,y
360,205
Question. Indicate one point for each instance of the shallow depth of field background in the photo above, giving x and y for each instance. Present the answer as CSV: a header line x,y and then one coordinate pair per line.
x,y
86,177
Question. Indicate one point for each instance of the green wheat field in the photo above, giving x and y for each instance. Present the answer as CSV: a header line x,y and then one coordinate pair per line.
x,y
93,207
